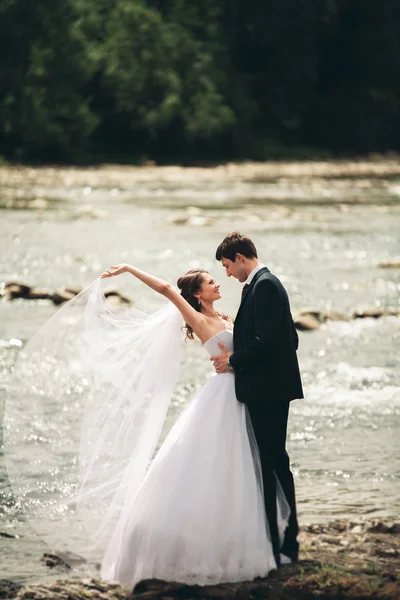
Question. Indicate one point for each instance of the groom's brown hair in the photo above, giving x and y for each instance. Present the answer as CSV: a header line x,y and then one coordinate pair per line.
x,y
235,243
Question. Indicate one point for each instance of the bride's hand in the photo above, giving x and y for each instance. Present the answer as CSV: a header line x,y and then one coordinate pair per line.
x,y
115,270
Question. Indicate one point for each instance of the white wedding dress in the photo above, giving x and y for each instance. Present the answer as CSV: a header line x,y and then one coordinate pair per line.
x,y
88,399
199,515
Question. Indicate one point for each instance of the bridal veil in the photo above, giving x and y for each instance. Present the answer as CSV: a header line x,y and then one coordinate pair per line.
x,y
85,408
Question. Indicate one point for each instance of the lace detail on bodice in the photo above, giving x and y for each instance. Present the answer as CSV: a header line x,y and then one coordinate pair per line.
x,y
225,336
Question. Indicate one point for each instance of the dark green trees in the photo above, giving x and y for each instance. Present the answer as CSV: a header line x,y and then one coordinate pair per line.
x,y
44,112
186,80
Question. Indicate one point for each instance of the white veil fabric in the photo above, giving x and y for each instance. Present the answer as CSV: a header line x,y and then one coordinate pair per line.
x,y
85,408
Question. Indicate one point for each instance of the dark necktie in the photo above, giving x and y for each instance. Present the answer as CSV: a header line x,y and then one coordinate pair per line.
x,y
244,289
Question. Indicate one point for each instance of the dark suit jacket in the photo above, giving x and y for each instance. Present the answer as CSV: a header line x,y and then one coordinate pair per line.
x,y
265,343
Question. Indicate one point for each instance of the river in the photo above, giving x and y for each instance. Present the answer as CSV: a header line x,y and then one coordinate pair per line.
x,y
323,234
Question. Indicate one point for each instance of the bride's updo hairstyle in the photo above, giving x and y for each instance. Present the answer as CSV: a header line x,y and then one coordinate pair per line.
x,y
190,284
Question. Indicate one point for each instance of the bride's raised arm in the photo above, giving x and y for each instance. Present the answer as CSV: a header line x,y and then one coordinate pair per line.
x,y
191,316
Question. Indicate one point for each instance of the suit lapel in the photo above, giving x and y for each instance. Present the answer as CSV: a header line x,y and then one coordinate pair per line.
x,y
256,276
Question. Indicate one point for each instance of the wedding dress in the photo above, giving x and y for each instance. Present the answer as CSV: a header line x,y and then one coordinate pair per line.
x,y
85,408
199,515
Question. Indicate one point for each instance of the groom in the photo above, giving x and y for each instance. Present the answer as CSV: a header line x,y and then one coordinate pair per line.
x,y
267,375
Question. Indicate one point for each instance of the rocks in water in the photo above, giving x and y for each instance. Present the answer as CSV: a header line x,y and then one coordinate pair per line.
x,y
73,289
333,315
52,560
306,322
67,560
16,290
39,294
308,319
371,313
65,294
393,263
20,203
115,298
311,319
312,312
4,534
13,290
192,215
87,211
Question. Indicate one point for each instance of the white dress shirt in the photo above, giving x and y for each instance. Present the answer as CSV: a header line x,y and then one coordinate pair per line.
x,y
254,271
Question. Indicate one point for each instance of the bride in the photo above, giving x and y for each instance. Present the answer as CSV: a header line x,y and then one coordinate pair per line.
x,y
198,516
85,409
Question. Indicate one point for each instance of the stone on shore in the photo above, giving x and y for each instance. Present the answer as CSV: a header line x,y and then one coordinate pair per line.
x,y
87,589
339,560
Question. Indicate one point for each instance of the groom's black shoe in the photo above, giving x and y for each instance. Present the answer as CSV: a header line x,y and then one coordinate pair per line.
x,y
294,555
291,549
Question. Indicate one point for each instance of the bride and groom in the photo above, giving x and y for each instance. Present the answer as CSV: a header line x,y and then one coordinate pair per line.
x,y
217,503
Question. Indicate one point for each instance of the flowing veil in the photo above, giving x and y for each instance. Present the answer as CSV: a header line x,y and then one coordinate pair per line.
x,y
85,407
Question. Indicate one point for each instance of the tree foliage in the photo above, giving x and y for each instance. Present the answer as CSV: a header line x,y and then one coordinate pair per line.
x,y
192,80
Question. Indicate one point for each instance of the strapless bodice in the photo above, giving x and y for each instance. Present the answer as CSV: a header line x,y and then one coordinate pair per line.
x,y
225,336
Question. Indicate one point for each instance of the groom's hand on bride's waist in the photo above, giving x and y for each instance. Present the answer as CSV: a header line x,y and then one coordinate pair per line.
x,y
221,361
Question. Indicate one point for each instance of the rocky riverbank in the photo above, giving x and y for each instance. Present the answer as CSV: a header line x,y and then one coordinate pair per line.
x,y
117,175
352,560
343,184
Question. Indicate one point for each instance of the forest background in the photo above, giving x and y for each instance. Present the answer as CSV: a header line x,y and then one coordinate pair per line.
x,y
192,81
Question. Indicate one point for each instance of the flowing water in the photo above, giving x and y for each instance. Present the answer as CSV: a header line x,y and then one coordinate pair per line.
x,y
323,238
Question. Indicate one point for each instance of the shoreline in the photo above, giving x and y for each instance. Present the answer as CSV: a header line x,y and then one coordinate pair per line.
x,y
110,175
342,559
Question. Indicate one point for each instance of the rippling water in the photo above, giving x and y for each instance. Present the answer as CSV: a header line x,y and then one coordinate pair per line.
x,y
344,437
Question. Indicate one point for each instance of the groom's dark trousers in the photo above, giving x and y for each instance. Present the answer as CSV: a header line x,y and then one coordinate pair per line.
x,y
267,378
269,425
